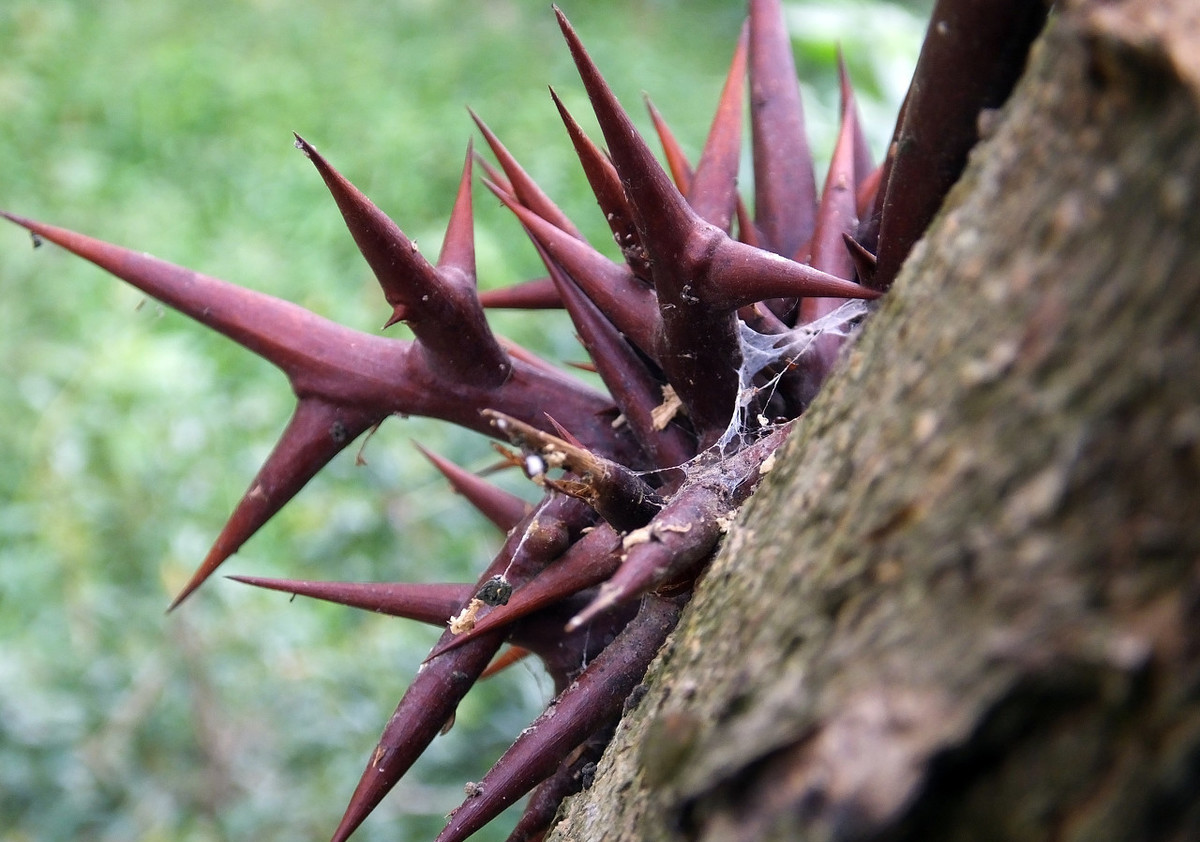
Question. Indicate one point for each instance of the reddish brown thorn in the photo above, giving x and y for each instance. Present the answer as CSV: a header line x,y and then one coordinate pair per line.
x,y
426,706
439,304
686,530
538,294
606,185
630,305
593,700
637,392
868,190
457,258
494,173
317,355
433,604
971,58
677,162
441,683
740,274
507,658
863,162
503,509
785,193
318,431
589,561
572,775
524,355
713,192
524,187
699,349
747,232
835,218
864,261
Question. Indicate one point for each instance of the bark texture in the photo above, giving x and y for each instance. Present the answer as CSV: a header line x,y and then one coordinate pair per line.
x,y
966,604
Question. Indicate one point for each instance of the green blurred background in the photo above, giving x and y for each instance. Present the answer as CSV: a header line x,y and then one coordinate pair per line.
x,y
127,434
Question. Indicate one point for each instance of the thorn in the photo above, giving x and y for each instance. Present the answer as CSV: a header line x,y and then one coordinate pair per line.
x,y
425,603
503,509
785,192
591,701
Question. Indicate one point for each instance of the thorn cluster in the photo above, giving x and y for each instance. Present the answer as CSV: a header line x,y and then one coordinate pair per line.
x,y
639,481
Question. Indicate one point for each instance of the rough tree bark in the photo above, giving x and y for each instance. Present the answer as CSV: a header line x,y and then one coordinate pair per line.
x,y
966,605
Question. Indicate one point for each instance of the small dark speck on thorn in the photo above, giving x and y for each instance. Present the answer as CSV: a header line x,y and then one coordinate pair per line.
x,y
338,432
36,238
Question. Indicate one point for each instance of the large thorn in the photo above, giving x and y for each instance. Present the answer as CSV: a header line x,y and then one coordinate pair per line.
x,y
699,351
432,604
785,193
629,304
442,681
606,185
970,60
317,432
589,561
594,699
320,357
537,294
440,303
713,191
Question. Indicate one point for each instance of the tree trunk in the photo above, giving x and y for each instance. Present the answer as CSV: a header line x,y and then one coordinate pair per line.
x,y
966,604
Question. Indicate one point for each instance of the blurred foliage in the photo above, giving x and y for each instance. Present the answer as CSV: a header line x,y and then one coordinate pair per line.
x,y
127,434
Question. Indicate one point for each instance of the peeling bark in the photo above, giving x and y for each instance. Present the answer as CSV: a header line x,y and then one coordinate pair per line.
x,y
966,603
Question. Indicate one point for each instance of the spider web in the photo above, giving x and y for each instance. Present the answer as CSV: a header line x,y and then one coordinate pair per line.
x,y
785,350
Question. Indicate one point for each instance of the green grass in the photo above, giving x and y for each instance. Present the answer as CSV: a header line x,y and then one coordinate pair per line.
x,y
127,434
